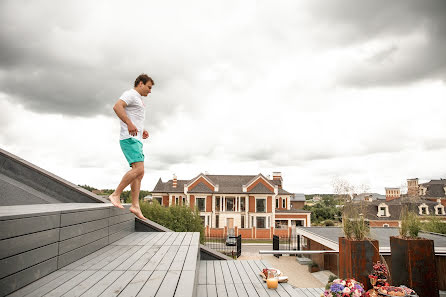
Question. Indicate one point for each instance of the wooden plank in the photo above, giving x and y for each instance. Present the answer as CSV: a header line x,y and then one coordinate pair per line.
x,y
97,265
54,284
300,293
202,273
211,290
195,239
140,236
250,290
230,290
234,273
104,283
314,292
171,239
38,283
112,237
304,292
84,239
116,287
24,260
202,291
179,239
72,218
152,284
153,262
83,228
27,225
152,238
126,225
169,284
67,286
226,273
114,220
186,284
290,290
136,283
119,259
22,278
240,288
210,273
253,277
16,245
260,289
241,271
138,265
219,279
221,290
126,240
87,283
168,258
190,263
133,258
97,262
178,261
78,253
85,259
187,238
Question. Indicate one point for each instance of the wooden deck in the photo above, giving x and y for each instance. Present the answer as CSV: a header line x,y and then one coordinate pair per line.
x,y
140,264
241,278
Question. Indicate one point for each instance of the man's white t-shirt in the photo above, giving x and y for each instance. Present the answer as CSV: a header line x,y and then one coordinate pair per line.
x,y
135,111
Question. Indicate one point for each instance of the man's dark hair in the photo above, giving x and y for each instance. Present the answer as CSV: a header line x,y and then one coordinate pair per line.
x,y
144,78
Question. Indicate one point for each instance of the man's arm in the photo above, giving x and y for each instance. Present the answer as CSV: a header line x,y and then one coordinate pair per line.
x,y
119,109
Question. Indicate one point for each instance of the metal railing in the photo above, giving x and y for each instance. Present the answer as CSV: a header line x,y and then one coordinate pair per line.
x,y
229,245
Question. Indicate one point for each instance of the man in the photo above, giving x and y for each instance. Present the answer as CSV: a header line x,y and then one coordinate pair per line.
x,y
130,109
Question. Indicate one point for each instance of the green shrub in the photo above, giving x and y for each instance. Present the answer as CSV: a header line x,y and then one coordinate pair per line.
x,y
410,224
434,224
177,218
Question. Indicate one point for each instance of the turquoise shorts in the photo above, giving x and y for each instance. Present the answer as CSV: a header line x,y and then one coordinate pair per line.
x,y
132,149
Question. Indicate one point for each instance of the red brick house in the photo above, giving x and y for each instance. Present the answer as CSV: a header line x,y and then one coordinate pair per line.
x,y
251,205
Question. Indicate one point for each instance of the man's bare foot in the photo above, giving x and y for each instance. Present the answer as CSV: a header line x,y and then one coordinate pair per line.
x,y
115,200
137,212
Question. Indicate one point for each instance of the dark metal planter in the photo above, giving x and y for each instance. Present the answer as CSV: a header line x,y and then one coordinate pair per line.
x,y
356,259
413,265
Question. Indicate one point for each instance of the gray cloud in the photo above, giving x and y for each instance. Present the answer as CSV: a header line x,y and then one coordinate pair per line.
x,y
348,22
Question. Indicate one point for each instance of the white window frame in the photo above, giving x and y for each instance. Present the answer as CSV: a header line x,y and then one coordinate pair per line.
x,y
387,213
204,198
386,225
421,207
439,207
266,206
264,217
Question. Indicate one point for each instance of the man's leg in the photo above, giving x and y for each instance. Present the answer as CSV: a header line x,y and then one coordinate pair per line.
x,y
136,171
135,189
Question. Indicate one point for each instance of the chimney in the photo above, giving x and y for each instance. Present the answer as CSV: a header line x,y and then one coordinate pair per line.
x,y
174,181
412,187
278,176
392,193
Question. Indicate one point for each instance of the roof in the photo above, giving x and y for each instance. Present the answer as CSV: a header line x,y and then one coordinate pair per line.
x,y
292,211
298,197
227,184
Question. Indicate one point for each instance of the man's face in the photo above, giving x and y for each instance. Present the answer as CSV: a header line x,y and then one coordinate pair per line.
x,y
146,89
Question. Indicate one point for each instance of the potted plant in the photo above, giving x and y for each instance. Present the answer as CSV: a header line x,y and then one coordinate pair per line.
x,y
313,267
413,258
357,252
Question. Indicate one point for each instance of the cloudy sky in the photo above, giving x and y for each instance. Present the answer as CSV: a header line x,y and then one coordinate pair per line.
x,y
314,89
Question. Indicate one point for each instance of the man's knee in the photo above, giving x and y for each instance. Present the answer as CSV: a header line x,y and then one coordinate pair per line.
x,y
139,169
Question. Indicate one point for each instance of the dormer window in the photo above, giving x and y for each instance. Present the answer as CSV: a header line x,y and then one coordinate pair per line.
x,y
283,203
439,210
383,210
423,209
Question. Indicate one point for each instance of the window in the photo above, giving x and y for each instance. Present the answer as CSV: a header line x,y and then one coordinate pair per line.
x,y
382,210
201,204
260,222
277,202
217,203
243,222
159,199
283,203
203,218
260,205
252,222
230,204
242,204
439,210
176,200
386,225
423,209
184,200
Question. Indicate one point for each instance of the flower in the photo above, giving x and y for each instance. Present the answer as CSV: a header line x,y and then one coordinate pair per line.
x,y
346,290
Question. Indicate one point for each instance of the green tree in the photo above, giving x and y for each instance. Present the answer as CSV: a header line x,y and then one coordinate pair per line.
x,y
177,218
435,225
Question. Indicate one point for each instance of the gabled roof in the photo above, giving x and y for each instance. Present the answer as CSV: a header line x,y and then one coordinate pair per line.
x,y
227,184
395,206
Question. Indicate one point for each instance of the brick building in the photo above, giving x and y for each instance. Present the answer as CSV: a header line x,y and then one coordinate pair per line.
x,y
251,205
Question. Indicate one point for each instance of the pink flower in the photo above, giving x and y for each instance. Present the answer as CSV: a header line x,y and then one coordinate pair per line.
x,y
356,293
346,290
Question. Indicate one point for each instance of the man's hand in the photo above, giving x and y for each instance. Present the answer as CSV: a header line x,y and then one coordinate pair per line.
x,y
132,129
145,134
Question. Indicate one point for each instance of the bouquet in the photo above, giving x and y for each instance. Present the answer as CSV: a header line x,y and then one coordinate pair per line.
x,y
344,288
